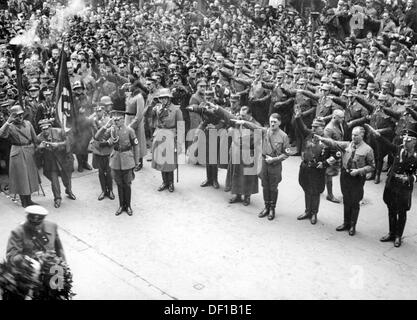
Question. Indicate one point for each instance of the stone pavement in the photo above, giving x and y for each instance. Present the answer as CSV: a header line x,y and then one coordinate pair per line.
x,y
193,244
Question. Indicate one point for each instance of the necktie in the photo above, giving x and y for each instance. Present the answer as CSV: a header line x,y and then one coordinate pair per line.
x,y
350,163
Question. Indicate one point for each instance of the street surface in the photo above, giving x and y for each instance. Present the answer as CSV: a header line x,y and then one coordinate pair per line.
x,y
193,244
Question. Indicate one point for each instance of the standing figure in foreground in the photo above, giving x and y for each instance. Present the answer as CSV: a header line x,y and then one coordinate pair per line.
x,y
23,173
357,161
315,159
400,182
124,157
101,155
164,155
58,160
275,149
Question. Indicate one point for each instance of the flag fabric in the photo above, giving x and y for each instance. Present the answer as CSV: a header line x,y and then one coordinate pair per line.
x,y
64,106
202,6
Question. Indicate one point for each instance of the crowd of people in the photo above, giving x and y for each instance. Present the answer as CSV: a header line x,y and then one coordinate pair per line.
x,y
333,83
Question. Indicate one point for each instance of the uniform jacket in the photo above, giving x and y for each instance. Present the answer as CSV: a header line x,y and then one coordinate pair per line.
x,y
135,108
57,159
25,240
125,155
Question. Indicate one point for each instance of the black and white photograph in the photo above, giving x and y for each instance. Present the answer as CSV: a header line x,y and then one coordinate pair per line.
x,y
208,150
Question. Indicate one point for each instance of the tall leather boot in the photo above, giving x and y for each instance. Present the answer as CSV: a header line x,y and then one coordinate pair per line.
x,y
315,203
127,193
402,219
392,222
120,192
353,220
214,174
346,218
267,199
80,162
377,179
102,179
208,181
307,213
274,197
23,200
170,179
164,184
109,185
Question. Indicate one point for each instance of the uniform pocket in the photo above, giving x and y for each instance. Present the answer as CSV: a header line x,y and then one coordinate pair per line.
x,y
14,152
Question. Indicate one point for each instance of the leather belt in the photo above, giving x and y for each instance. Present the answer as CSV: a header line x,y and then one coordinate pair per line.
x,y
124,149
21,144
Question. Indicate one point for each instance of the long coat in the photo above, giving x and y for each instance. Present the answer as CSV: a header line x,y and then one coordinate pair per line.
x,y
165,158
81,135
23,173
195,119
242,183
59,159
135,112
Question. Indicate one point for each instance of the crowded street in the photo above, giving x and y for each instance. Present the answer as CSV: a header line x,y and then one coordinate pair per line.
x,y
194,245
208,149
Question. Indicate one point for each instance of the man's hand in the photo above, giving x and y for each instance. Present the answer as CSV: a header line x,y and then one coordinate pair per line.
x,y
355,172
316,136
11,118
109,123
331,160
269,159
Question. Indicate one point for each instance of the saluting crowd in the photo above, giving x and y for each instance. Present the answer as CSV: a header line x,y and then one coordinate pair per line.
x,y
341,97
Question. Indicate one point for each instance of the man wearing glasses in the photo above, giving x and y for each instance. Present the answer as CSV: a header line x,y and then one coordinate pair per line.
x,y
400,182
23,173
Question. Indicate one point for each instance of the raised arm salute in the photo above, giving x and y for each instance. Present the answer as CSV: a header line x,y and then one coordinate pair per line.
x,y
400,182
357,161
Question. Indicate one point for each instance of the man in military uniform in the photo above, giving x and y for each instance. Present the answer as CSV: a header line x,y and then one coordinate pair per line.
x,y
34,108
275,149
382,122
315,159
57,159
124,157
307,106
357,161
164,158
241,182
401,178
35,234
101,154
23,174
135,113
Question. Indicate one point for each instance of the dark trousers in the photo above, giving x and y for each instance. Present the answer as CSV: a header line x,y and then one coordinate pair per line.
x,y
81,159
352,190
168,177
397,220
211,172
104,173
271,177
123,179
56,188
312,201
